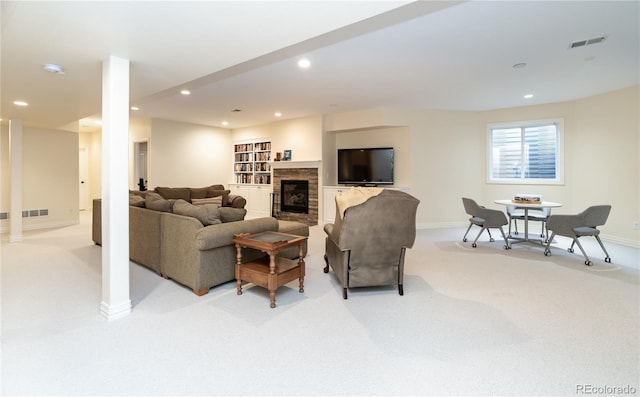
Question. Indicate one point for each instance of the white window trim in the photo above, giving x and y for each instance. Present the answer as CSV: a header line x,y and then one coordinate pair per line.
x,y
559,180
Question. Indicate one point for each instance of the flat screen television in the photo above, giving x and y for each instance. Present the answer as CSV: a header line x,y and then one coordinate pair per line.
x,y
365,166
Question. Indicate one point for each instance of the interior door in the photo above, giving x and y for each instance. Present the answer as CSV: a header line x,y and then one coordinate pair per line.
x,y
83,173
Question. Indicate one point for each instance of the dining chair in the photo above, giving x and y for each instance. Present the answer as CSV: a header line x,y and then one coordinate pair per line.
x,y
535,214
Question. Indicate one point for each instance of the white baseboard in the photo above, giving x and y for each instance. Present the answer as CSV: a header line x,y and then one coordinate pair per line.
x,y
114,312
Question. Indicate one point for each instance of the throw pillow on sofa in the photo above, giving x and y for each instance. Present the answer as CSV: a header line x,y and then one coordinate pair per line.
x,y
211,200
218,193
207,214
156,202
203,192
136,200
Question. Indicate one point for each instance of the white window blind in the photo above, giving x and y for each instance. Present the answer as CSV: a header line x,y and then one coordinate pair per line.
x,y
525,153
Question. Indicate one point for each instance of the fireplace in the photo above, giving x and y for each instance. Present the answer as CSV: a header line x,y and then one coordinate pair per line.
x,y
294,196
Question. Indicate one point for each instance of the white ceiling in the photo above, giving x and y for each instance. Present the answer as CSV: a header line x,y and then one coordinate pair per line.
x,y
364,54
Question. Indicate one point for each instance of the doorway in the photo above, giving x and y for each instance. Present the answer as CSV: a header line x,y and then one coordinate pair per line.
x,y
141,164
83,174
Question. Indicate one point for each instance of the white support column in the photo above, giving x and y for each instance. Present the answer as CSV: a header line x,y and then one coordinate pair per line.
x,y
15,150
116,300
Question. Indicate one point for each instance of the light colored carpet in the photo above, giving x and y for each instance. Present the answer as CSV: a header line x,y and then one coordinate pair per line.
x,y
481,321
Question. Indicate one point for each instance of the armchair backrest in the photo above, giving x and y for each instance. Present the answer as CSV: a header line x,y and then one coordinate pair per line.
x,y
596,215
380,224
470,206
591,217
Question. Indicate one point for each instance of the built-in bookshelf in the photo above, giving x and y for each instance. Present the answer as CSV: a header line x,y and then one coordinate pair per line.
x,y
251,163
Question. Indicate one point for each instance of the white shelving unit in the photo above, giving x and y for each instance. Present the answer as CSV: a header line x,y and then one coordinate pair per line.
x,y
252,176
251,163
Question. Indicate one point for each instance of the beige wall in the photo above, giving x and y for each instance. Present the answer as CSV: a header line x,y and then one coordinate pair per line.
x,y
5,170
49,177
303,136
182,154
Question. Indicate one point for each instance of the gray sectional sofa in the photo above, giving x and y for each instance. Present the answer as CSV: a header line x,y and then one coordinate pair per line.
x,y
191,244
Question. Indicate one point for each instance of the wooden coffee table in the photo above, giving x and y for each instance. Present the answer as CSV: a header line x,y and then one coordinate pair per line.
x,y
273,271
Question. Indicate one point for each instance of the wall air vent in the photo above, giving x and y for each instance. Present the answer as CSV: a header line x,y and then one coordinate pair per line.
x,y
583,43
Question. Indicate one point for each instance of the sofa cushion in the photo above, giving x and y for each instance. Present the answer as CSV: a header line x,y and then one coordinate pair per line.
x,y
183,193
228,214
156,202
207,214
211,200
199,192
136,200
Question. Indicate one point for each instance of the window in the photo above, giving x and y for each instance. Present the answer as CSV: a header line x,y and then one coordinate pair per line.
x,y
526,152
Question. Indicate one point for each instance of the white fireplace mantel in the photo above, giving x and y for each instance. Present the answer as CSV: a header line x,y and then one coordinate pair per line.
x,y
295,164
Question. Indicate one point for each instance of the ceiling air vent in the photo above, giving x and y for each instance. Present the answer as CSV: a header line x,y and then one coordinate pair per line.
x,y
583,43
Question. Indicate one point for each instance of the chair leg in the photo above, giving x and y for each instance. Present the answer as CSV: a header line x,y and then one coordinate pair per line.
x,y
547,248
464,239
326,268
490,236
400,290
586,258
344,293
607,258
506,242
515,223
474,245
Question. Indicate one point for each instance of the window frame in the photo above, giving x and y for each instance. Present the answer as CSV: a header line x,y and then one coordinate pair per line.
x,y
558,180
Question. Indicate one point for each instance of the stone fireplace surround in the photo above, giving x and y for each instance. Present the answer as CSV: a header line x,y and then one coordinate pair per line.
x,y
296,170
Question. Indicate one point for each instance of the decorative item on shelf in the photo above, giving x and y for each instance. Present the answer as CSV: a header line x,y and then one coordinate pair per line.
x,y
287,155
278,156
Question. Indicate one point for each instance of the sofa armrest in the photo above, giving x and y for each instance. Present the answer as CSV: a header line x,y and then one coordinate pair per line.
x,y
236,201
214,236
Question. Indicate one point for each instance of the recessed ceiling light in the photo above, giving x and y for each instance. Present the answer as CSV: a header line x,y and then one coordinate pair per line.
x,y
304,63
225,123
528,96
278,114
185,92
20,103
135,108
53,68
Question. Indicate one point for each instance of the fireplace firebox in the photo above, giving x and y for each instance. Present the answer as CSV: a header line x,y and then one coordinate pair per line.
x,y
294,196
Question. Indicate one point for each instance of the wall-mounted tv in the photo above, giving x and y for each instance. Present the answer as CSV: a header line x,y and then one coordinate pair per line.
x,y
365,166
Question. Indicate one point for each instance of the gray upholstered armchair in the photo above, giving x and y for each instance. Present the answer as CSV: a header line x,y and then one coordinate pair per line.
x,y
485,218
575,226
366,244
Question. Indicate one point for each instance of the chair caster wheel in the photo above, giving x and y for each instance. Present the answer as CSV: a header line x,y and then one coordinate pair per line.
x,y
464,240
588,263
607,259
474,245
506,247
547,253
492,240
570,250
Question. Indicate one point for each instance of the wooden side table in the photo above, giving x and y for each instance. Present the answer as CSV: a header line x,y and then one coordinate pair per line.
x,y
273,271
